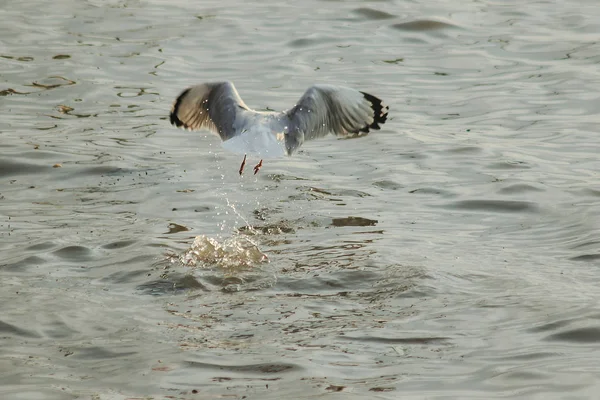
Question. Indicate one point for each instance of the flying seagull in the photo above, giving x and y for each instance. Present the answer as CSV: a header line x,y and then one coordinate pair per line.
x,y
322,109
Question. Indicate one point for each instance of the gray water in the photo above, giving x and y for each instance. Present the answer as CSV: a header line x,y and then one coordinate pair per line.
x,y
454,254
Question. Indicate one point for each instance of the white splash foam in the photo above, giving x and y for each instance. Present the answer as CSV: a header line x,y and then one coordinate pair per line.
x,y
234,253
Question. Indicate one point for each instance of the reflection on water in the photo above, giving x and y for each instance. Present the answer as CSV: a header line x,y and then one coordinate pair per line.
x,y
453,254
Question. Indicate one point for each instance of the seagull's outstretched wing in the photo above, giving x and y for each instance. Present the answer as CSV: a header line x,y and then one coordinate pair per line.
x,y
339,110
212,106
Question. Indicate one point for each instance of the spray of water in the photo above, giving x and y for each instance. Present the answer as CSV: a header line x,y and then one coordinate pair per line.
x,y
229,253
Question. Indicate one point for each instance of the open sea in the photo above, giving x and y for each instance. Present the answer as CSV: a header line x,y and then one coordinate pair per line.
x,y
454,254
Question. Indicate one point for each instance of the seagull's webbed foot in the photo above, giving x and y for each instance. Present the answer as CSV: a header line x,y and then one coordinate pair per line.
x,y
257,167
243,165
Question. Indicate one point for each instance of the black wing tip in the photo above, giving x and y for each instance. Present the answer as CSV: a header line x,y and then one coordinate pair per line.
x,y
175,110
380,112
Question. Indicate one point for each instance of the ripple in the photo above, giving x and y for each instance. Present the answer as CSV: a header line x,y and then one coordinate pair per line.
x,y
509,165
74,253
173,285
353,221
98,353
494,205
372,14
122,277
403,340
41,246
387,184
338,282
592,192
432,190
9,91
12,330
176,228
119,244
284,177
519,188
394,60
59,330
465,150
52,82
423,25
310,42
24,264
262,368
580,335
339,192
39,155
14,168
527,356
270,229
551,326
586,257
21,58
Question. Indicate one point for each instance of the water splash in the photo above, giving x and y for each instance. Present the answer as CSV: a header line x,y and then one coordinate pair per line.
x,y
239,215
231,254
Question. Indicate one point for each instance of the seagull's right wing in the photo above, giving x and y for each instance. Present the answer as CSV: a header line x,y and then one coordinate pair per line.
x,y
212,106
339,110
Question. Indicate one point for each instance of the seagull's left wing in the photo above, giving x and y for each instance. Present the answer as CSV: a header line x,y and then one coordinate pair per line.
x,y
214,106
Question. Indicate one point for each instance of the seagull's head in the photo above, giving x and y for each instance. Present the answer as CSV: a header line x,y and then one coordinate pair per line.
x,y
293,140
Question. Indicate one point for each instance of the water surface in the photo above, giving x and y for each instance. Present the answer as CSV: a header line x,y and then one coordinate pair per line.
x,y
453,254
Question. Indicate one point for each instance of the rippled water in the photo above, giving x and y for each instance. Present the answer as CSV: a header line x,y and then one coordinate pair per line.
x,y
453,254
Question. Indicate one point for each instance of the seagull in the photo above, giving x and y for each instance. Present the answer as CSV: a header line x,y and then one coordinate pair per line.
x,y
321,110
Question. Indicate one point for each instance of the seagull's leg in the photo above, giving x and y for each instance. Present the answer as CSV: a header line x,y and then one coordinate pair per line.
x,y
243,165
257,167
